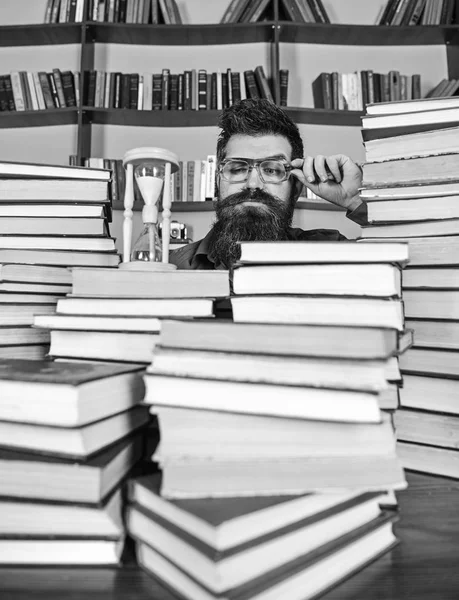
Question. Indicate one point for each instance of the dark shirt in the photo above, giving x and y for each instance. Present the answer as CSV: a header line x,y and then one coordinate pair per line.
x,y
198,255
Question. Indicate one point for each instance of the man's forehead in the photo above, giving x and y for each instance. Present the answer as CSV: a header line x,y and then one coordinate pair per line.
x,y
263,146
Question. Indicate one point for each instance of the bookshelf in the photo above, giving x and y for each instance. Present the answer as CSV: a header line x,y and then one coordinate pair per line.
x,y
305,49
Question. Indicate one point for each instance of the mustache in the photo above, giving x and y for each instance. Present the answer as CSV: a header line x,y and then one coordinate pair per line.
x,y
254,195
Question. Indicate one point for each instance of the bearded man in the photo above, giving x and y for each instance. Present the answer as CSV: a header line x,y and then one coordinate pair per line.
x,y
261,170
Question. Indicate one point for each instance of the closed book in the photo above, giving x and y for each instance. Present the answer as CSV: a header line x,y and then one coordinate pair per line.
x,y
43,242
59,257
263,84
432,304
9,92
133,91
97,323
173,91
157,91
52,226
16,336
283,86
428,116
428,251
436,394
417,210
35,274
252,90
202,89
421,190
23,314
59,87
428,169
322,91
86,481
429,428
435,278
66,394
429,459
443,226
431,361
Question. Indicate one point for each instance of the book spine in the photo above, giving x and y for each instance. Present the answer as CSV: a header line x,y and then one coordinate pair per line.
x,y
54,94
133,91
46,90
173,91
190,180
225,99
38,91
213,91
90,88
335,90
165,78
263,84
416,86
283,86
230,87
187,91
202,89
394,85
17,90
219,90
25,90
180,91
33,92
147,91
9,92
236,86
157,91
68,88
125,90
3,96
251,84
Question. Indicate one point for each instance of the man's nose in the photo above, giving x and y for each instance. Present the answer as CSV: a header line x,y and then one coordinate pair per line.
x,y
254,180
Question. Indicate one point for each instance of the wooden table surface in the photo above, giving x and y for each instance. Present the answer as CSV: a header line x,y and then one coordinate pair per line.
x,y
424,566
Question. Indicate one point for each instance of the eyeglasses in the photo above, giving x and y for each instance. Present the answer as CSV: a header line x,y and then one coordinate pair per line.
x,y
269,171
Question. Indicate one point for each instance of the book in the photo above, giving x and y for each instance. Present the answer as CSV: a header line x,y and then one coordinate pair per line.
x,y
213,479
432,304
415,118
316,310
44,242
427,428
211,569
86,211
42,520
66,258
22,334
135,307
430,361
329,565
72,442
59,191
427,251
13,314
417,191
375,280
66,394
225,523
436,394
412,229
429,459
277,339
50,226
429,169
87,481
263,399
441,278
215,435
98,323
340,374
118,346
35,274
60,552
174,284
34,170
413,209
410,106
325,252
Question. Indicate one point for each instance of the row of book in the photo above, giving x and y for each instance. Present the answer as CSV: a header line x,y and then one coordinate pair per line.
x,y
114,11
445,87
353,91
411,186
64,11
298,11
195,89
418,12
26,90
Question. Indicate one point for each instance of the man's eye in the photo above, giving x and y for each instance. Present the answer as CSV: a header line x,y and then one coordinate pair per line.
x,y
237,169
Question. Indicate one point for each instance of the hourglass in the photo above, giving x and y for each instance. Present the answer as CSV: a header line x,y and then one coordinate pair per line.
x,y
152,169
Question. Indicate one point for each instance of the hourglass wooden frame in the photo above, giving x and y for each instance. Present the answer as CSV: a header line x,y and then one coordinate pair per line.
x,y
131,160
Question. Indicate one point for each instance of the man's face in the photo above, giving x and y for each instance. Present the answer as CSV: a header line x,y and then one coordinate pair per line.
x,y
250,147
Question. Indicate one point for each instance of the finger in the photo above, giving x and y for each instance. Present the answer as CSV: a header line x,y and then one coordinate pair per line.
x,y
308,169
298,174
333,167
320,168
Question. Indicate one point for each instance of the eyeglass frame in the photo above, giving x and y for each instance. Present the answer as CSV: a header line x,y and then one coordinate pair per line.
x,y
255,163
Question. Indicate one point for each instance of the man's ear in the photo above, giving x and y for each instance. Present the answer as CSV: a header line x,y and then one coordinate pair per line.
x,y
297,188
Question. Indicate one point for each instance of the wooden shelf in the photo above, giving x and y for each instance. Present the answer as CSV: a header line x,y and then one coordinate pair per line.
x,y
152,118
208,206
181,35
368,35
38,118
40,35
320,116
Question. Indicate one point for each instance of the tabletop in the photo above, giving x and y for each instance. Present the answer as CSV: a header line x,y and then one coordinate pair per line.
x,y
423,566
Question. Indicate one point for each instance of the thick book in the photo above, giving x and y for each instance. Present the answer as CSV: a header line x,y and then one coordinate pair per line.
x,y
57,211
374,280
436,394
118,346
331,564
226,523
413,209
221,572
67,480
262,399
35,274
288,340
97,323
426,251
411,229
325,252
136,307
431,361
425,169
19,335
331,373
42,520
316,310
213,435
432,304
65,258
137,284
423,190
13,314
44,226
75,442
431,278
35,170
429,428
219,478
429,459
56,191
412,106
64,242
66,394
426,117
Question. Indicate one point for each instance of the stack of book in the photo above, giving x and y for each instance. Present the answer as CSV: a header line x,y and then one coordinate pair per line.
x,y
52,218
411,185
70,434
274,453
115,315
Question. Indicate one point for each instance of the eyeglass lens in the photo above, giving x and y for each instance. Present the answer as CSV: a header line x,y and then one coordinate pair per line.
x,y
270,171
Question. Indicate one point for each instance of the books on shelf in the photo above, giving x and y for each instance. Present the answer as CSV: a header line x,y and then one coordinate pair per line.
x,y
353,91
417,12
154,12
64,11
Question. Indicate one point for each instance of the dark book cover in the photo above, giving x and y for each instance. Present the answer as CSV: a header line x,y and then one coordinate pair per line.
x,y
335,84
173,91
235,86
225,97
251,84
60,91
391,11
187,91
53,88
121,13
202,89
26,90
283,86
364,85
180,91
157,91
318,11
165,82
154,12
322,91
377,87
9,93
90,88
416,86
3,95
117,93
71,11
408,12
394,86
68,87
133,90
371,86
112,90
263,84
125,90
292,11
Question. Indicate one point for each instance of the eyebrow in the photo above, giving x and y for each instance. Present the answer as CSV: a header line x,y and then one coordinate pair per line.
x,y
272,157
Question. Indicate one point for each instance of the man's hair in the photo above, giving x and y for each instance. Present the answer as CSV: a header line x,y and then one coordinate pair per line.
x,y
257,117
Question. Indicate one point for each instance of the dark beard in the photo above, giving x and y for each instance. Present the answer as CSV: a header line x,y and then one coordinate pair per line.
x,y
234,223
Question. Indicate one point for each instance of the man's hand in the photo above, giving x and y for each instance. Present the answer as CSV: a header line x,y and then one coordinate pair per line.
x,y
334,178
